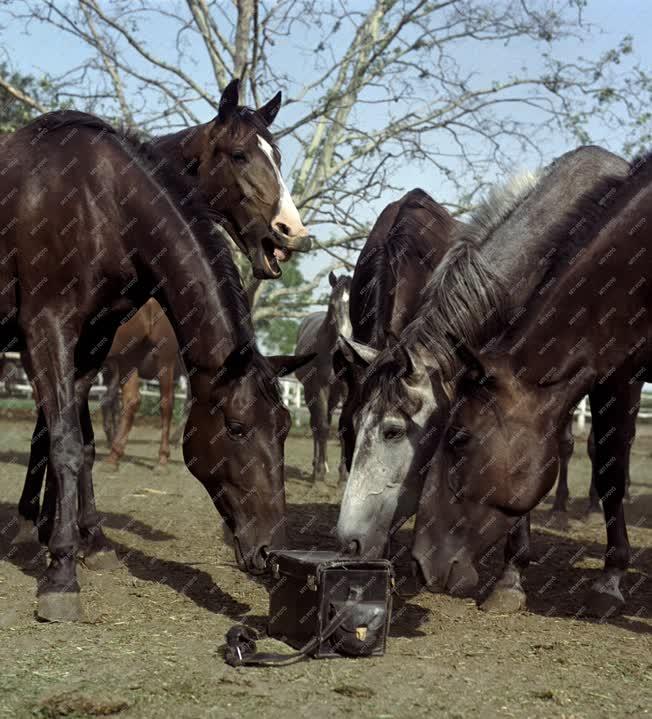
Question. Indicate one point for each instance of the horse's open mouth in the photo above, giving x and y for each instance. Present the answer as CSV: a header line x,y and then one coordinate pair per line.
x,y
272,255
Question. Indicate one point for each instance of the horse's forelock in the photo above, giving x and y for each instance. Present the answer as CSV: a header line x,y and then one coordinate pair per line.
x,y
384,386
465,300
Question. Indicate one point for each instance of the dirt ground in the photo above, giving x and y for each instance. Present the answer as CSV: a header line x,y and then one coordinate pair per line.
x,y
150,644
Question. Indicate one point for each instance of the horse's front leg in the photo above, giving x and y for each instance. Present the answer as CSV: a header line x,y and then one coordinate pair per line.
x,y
58,589
613,411
508,595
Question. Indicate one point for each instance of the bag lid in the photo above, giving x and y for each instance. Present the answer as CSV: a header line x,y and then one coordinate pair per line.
x,y
300,562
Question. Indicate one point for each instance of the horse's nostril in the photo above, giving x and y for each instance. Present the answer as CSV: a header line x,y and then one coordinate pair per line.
x,y
282,228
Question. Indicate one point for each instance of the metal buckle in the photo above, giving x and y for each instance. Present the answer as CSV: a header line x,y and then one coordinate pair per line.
x,y
311,582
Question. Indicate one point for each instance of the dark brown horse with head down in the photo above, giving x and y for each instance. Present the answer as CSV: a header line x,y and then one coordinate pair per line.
x,y
585,328
91,227
235,164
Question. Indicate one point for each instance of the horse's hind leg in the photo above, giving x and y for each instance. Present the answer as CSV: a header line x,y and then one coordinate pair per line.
x,y
96,550
320,432
131,404
334,399
28,506
594,497
110,400
166,388
508,596
566,446
613,413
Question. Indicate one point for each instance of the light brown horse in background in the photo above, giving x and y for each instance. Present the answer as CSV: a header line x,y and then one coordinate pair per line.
x,y
143,347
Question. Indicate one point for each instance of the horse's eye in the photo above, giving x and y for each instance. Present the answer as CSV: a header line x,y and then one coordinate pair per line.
x,y
239,157
458,437
393,433
235,429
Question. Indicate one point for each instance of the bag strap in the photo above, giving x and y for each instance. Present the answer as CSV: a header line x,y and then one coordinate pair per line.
x,y
241,646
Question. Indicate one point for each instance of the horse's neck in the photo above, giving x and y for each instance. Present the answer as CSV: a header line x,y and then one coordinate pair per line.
x,y
331,327
198,286
520,248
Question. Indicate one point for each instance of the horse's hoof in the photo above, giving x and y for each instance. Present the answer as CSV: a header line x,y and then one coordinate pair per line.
x,y
505,600
102,561
602,602
27,532
161,470
558,519
59,607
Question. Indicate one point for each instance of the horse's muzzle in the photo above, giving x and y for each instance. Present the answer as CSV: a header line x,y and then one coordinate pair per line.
x,y
298,243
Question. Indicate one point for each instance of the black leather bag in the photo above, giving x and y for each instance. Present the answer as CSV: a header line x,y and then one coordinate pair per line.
x,y
324,604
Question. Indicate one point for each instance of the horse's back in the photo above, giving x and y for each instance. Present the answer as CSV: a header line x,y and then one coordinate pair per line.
x,y
522,236
406,243
308,341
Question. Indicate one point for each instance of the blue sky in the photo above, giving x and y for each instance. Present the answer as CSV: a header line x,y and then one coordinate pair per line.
x,y
43,50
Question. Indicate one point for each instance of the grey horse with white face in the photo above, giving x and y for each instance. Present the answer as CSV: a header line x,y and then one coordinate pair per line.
x,y
396,419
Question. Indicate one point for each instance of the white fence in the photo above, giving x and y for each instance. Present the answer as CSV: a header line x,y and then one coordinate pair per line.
x,y
17,384
291,389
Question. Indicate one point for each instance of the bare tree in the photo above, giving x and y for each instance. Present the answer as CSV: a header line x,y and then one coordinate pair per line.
x,y
369,87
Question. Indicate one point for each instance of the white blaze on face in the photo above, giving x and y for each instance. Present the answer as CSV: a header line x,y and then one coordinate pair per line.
x,y
346,329
380,479
287,215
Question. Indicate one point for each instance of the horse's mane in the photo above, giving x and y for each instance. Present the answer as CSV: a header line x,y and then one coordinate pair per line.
x,y
195,210
408,239
467,301
501,201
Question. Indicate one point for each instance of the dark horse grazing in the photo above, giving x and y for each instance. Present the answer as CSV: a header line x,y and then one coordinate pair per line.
x,y
585,329
234,163
143,347
318,334
510,234
406,243
87,234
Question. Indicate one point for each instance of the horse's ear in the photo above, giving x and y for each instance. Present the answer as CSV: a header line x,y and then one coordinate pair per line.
x,y
332,279
355,352
286,364
270,109
475,370
229,99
